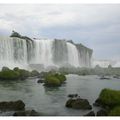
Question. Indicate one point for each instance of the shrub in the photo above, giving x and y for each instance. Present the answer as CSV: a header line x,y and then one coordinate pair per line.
x,y
60,77
9,75
110,97
51,80
115,111
54,79
23,74
34,73
16,69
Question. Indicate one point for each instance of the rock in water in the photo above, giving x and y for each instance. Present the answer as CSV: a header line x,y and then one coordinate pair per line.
x,y
102,113
78,104
26,113
40,81
12,105
90,114
72,95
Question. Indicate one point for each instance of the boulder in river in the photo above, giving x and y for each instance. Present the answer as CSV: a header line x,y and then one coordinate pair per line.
x,y
102,112
73,95
12,105
91,113
40,81
26,113
78,103
104,78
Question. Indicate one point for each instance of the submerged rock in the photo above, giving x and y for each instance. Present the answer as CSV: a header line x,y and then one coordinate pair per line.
x,y
91,113
102,113
104,78
78,104
12,105
26,113
73,95
116,76
40,81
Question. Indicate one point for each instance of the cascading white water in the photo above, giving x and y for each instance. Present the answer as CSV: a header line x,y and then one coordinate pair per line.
x,y
43,52
73,58
20,52
13,52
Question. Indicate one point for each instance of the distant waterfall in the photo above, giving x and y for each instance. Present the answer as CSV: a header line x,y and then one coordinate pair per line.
x,y
43,52
13,52
20,52
73,58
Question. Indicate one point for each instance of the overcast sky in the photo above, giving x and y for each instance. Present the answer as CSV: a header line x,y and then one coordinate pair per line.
x,y
96,26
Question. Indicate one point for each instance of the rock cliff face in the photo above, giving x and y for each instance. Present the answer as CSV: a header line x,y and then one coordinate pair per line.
x,y
21,51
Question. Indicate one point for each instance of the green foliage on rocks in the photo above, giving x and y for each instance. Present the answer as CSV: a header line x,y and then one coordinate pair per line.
x,y
109,100
54,79
9,75
110,97
34,73
15,34
115,111
15,74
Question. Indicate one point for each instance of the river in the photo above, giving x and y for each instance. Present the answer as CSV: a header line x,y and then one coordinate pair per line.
x,y
51,101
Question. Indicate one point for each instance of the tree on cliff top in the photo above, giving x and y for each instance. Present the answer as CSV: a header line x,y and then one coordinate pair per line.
x,y
15,34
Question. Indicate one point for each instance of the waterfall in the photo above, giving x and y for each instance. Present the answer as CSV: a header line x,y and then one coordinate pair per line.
x,y
43,52
20,52
73,58
13,52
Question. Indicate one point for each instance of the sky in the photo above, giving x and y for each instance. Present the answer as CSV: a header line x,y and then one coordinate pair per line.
x,y
96,26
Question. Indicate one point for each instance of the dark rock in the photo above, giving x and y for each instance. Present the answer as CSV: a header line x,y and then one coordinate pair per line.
x,y
26,113
12,105
116,76
97,103
72,95
15,34
91,113
20,113
5,68
103,77
102,113
40,81
78,104
34,73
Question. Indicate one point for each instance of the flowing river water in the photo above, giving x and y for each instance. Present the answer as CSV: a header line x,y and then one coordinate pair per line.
x,y
51,101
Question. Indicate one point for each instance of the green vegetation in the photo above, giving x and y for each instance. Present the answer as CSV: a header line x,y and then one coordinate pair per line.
x,y
54,79
60,77
34,73
9,75
23,74
16,73
115,111
15,34
110,98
